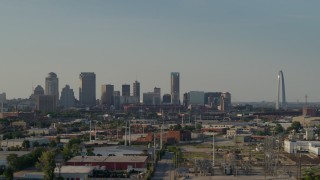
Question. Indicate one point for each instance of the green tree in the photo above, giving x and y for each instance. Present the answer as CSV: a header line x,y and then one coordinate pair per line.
x,y
35,144
8,173
26,144
12,160
47,164
52,144
295,126
278,129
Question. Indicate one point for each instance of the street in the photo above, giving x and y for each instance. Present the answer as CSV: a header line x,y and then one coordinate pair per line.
x,y
165,168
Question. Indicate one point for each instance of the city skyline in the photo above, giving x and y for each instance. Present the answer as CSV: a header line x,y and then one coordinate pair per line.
x,y
220,46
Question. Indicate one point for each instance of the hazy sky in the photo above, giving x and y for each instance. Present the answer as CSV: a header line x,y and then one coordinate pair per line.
x,y
217,45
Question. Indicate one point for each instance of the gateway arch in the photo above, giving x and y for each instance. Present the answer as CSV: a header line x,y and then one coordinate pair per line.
x,y
283,104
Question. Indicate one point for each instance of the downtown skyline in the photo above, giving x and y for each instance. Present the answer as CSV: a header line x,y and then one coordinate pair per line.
x,y
231,46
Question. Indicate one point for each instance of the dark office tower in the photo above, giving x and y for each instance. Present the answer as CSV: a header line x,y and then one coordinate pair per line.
x,y
136,89
107,94
38,91
52,86
67,99
175,88
166,99
87,90
157,95
125,90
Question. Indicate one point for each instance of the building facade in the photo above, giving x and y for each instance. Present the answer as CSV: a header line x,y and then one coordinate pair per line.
x,y
136,89
46,103
126,90
175,88
87,90
67,98
225,102
107,94
52,86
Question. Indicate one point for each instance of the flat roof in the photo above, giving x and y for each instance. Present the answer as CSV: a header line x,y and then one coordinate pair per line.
x,y
75,169
88,159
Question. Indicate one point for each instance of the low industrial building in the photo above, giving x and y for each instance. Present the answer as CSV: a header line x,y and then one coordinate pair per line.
x,y
292,146
74,172
18,142
112,163
42,131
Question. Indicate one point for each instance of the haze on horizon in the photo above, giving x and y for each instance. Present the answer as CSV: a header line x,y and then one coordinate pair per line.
x,y
230,45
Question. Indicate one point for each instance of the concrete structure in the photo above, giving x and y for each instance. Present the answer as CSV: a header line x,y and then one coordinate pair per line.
x,y
67,99
107,94
52,86
125,90
74,172
112,163
46,103
283,103
175,88
87,90
312,147
136,89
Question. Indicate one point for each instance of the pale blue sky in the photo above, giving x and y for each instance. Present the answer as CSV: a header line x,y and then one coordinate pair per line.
x,y
217,45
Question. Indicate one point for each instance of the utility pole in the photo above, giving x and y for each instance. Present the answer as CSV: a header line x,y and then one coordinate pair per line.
x,y
90,131
213,145
129,132
154,149
125,134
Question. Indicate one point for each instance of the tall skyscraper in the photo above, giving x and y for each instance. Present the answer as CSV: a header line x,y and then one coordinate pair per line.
x,y
284,103
126,90
157,95
136,89
87,90
52,86
107,94
67,98
175,88
225,102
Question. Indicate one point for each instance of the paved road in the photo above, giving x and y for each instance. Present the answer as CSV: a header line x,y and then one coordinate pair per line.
x,y
165,169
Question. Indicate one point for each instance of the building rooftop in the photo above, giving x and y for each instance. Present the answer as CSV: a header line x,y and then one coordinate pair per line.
x,y
88,159
75,169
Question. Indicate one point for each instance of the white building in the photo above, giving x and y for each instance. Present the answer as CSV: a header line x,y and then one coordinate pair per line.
x,y
306,146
